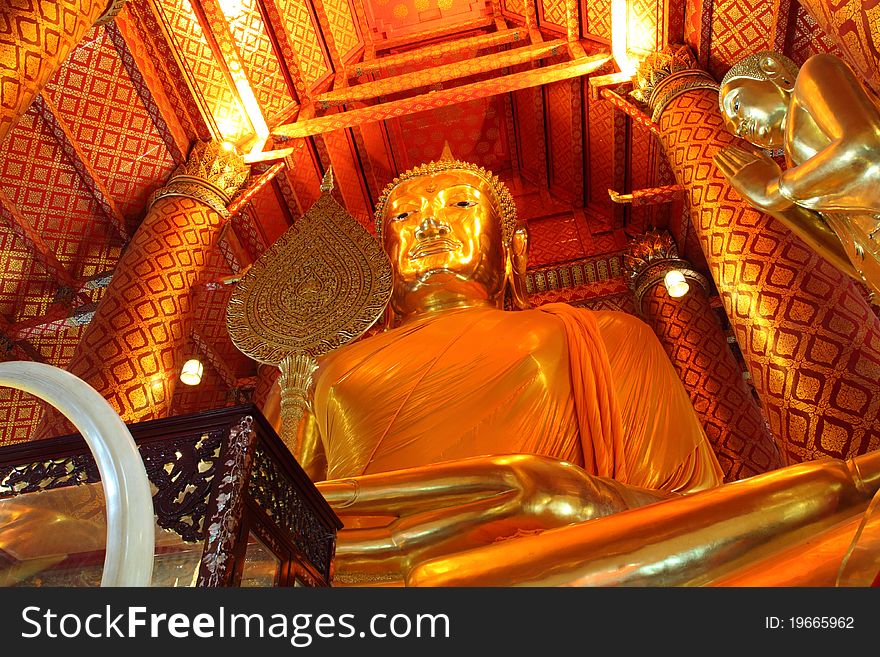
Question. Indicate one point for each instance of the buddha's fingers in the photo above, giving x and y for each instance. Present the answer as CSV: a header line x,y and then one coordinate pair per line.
x,y
732,159
389,552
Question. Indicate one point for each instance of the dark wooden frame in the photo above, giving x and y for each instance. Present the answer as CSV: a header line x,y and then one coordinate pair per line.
x,y
216,452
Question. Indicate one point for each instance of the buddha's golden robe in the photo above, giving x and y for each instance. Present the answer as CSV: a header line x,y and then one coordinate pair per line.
x,y
592,388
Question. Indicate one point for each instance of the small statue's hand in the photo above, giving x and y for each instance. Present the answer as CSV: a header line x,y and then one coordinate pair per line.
x,y
754,175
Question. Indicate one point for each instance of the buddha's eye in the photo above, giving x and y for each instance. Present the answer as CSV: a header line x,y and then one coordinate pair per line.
x,y
463,204
736,105
402,215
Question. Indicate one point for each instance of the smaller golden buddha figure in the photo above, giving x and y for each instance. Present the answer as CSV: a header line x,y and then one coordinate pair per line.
x,y
829,129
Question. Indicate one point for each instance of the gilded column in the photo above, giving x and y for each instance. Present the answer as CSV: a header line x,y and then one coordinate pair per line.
x,y
36,37
132,349
854,27
809,338
690,333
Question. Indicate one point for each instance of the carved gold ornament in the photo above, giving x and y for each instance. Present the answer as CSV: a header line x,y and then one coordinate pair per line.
x,y
212,174
323,283
668,73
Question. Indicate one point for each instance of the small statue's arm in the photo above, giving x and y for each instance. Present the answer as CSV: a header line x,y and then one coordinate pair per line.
x,y
838,177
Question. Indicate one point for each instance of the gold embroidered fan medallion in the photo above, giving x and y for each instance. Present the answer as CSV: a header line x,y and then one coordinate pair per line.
x,y
323,283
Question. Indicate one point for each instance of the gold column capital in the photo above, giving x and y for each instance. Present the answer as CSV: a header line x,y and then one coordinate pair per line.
x,y
111,12
647,260
212,174
668,73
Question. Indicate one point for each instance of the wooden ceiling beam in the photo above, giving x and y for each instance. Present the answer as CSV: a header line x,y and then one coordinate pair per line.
x,y
470,45
364,26
253,188
443,98
11,349
443,32
440,75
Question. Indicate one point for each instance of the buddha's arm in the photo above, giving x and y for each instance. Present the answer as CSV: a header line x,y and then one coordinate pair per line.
x,y
443,485
828,91
749,174
686,540
459,505
818,235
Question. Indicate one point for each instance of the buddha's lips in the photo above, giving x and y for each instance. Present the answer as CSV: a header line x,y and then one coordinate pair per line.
x,y
430,247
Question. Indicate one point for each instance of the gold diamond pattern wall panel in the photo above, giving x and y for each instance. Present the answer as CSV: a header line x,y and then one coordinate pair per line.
x,y
35,38
260,63
97,101
42,184
342,26
202,68
739,28
303,36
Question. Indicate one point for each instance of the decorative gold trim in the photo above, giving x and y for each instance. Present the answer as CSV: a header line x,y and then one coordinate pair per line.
x,y
655,273
676,84
212,175
649,258
323,283
194,189
295,381
668,73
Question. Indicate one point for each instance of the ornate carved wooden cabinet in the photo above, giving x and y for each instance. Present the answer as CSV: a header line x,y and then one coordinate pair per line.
x,y
232,507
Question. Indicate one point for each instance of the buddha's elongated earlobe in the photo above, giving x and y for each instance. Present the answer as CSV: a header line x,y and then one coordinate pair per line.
x,y
516,261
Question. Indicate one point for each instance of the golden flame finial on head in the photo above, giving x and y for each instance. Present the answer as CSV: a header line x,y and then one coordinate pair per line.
x,y
327,180
446,153
501,196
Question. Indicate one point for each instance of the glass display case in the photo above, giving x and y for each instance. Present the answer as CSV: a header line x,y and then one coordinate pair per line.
x,y
232,507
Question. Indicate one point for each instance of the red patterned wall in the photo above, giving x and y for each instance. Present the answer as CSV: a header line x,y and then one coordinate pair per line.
x,y
692,337
810,340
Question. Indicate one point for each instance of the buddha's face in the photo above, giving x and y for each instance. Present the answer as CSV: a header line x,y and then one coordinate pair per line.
x,y
442,234
756,109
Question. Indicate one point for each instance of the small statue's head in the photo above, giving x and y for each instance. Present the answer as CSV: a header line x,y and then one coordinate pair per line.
x,y
450,227
755,96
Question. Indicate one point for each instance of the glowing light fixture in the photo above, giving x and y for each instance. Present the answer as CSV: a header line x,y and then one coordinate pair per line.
x,y
635,31
625,63
191,373
675,283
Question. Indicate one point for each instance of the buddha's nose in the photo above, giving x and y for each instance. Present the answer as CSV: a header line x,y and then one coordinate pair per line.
x,y
430,228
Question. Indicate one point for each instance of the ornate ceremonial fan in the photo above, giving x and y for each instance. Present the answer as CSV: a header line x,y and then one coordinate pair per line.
x,y
323,283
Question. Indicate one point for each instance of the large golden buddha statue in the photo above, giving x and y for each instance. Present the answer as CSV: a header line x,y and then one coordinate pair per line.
x,y
469,444
464,423
829,129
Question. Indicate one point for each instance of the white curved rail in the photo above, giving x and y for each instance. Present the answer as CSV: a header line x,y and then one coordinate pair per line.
x,y
130,527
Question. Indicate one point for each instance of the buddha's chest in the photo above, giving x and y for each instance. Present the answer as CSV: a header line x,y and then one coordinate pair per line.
x,y
451,363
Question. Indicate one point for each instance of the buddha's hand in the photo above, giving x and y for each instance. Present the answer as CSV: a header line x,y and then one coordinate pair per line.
x,y
754,175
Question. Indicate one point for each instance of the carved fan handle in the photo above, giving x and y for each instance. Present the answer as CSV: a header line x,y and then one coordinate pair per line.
x,y
296,378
